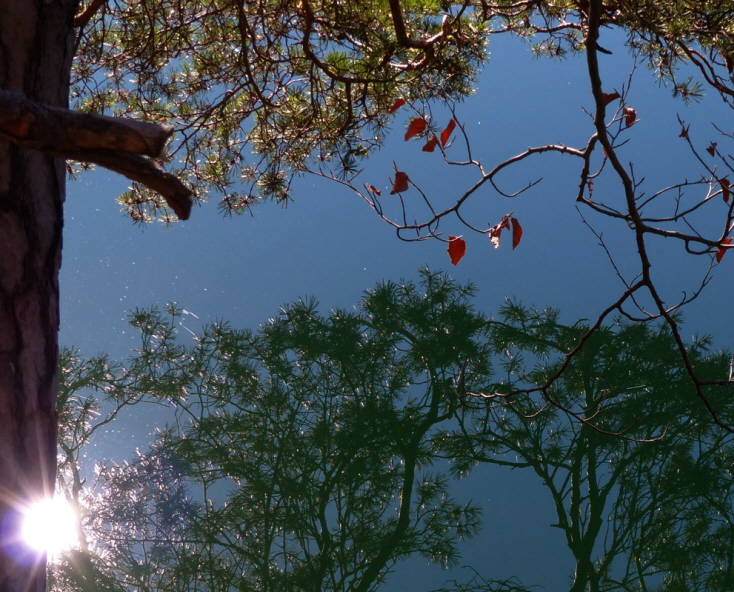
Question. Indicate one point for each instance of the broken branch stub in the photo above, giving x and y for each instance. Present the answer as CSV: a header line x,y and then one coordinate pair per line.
x,y
115,143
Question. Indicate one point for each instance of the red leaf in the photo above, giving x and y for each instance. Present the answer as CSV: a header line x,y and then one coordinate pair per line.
x,y
721,250
683,132
496,231
630,116
416,126
711,149
516,232
457,248
400,184
395,106
725,189
446,134
431,144
372,189
609,97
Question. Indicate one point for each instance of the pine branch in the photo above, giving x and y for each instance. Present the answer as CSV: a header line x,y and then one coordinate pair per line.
x,y
82,19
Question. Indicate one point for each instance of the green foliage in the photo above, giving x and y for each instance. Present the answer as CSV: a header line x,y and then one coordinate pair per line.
x,y
269,85
306,445
640,479
262,91
311,454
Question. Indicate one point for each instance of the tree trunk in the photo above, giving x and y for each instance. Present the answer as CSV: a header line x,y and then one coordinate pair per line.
x,y
36,45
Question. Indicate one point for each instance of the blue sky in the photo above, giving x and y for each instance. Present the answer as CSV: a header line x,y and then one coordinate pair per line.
x,y
330,245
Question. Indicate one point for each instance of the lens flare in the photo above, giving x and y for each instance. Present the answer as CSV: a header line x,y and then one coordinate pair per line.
x,y
50,526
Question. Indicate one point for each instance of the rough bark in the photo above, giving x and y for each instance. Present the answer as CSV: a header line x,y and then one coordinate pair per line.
x,y
35,56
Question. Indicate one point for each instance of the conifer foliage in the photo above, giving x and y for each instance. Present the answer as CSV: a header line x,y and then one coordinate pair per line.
x,y
311,454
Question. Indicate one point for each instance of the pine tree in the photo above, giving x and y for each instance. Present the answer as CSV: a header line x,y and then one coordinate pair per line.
x,y
255,92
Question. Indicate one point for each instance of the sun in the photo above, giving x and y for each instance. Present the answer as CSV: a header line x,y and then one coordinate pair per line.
x,y
50,526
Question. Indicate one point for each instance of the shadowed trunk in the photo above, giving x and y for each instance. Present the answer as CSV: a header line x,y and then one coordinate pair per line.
x,y
36,39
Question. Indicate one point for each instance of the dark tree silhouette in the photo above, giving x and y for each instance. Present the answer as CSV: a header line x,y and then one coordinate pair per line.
x,y
303,452
643,489
310,455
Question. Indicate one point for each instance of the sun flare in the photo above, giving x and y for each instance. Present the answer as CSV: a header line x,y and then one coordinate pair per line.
x,y
50,526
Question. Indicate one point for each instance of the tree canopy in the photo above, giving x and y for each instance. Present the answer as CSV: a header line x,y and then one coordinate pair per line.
x,y
253,93
311,454
260,92
631,488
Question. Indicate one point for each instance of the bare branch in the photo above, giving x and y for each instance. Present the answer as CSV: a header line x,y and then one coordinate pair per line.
x,y
82,19
50,129
144,171
402,35
117,144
